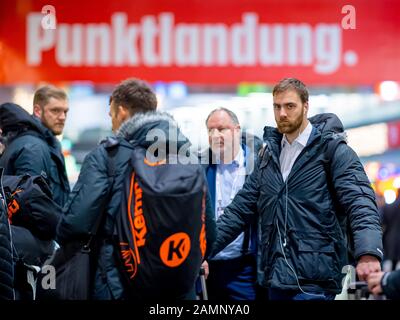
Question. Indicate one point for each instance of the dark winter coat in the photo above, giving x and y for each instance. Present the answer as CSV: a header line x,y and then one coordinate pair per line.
x,y
6,259
89,197
32,148
391,230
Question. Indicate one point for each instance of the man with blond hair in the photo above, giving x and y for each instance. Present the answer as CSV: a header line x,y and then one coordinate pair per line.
x,y
31,146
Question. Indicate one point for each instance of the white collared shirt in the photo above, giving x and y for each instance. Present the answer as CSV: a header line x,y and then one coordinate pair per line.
x,y
290,152
229,180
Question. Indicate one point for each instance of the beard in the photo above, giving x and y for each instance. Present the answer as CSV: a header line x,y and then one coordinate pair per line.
x,y
288,127
56,128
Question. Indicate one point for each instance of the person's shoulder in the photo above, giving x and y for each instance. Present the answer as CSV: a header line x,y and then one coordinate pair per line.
x,y
99,152
29,144
343,150
111,148
28,138
204,157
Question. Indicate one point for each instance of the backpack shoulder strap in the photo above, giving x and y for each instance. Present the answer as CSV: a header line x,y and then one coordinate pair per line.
x,y
330,150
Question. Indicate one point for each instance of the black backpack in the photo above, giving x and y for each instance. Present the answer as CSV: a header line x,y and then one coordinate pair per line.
x,y
33,216
160,228
30,205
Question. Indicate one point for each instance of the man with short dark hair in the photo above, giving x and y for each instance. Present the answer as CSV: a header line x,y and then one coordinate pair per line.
x,y
30,143
308,189
133,114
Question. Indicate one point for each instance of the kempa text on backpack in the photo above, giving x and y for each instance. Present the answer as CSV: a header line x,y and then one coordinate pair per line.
x,y
138,227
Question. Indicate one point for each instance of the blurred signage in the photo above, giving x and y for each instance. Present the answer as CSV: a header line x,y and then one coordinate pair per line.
x,y
394,135
368,140
223,41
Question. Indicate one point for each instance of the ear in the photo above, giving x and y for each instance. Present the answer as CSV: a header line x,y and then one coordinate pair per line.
x,y
238,130
123,113
305,108
37,111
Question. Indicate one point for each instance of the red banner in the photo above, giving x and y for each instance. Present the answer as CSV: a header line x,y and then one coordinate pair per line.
x,y
219,41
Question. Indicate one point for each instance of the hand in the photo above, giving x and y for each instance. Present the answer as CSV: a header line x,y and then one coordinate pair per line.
x,y
374,282
366,265
206,269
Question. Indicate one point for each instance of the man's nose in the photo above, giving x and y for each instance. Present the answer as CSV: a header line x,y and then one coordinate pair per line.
x,y
218,133
217,138
62,115
282,113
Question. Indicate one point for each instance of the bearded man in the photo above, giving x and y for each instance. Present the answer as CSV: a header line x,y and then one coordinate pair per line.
x,y
308,192
31,146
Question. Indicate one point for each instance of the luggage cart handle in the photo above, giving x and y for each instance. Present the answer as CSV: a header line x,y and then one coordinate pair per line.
x,y
203,283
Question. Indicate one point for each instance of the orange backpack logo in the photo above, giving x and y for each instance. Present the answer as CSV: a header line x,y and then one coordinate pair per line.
x,y
138,227
175,249
154,164
13,208
203,240
129,259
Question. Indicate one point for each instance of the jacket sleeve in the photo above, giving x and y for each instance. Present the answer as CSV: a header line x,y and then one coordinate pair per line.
x,y
31,159
6,259
239,214
391,284
87,200
357,199
210,225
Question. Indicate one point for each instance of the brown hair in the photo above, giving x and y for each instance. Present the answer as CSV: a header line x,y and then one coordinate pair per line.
x,y
292,84
135,95
43,95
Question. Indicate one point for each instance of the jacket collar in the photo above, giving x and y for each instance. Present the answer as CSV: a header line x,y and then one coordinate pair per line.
x,y
327,126
302,138
150,127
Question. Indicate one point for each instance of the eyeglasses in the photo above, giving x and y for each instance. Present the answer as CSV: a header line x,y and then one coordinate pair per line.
x,y
219,130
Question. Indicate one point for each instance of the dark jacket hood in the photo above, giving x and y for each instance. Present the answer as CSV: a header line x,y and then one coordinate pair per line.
x,y
14,118
147,128
327,124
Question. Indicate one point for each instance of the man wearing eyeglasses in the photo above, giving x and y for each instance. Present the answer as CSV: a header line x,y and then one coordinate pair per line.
x,y
232,271
31,146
